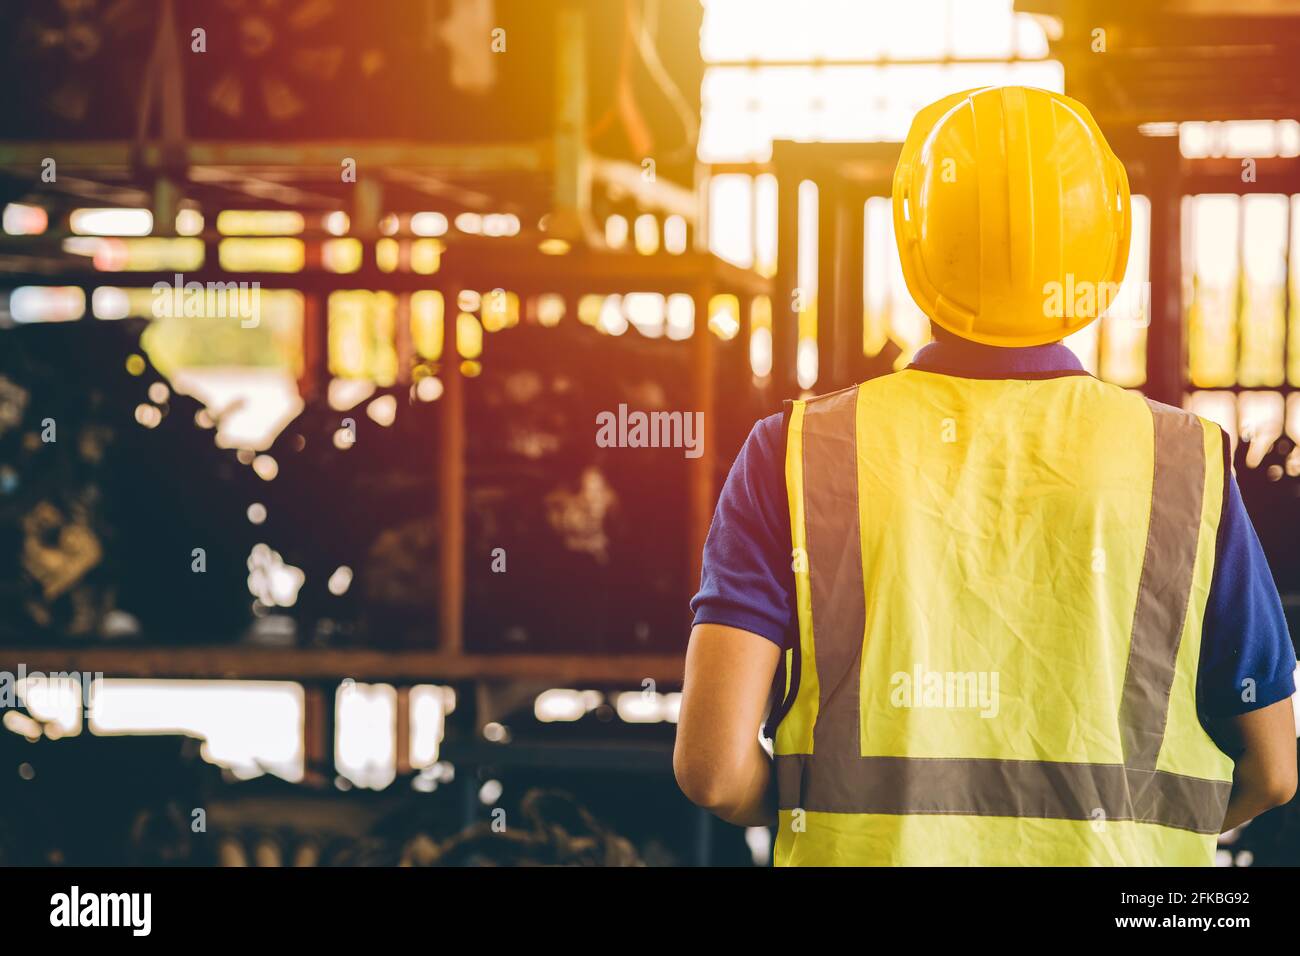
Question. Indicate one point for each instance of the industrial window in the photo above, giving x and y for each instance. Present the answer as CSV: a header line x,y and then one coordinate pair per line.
x,y
840,71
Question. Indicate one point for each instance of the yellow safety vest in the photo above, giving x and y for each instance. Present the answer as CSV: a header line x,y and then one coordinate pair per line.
x,y
1000,589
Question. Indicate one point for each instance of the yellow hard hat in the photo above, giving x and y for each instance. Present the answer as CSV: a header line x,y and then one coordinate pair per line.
x,y
1011,214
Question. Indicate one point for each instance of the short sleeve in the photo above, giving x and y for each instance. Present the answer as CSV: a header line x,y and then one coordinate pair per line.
x,y
747,581
1247,658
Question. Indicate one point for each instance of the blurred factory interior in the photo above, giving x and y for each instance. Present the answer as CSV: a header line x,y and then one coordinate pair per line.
x,y
307,310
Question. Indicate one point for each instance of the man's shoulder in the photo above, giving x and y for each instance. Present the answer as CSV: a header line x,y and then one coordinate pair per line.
x,y
767,435
1182,414
839,394
849,393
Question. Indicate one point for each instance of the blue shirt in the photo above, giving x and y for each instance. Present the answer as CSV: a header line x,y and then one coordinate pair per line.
x,y
1247,659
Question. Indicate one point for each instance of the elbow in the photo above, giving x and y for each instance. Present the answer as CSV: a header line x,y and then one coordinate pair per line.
x,y
1270,786
1280,788
704,782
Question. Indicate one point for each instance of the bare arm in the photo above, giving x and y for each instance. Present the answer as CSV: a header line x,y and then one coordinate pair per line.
x,y
718,760
1264,745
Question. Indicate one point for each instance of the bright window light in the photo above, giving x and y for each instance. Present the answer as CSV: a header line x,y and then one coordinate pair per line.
x,y
111,222
365,750
252,727
47,304
24,220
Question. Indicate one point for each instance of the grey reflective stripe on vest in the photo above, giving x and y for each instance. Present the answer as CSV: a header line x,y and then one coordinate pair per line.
x,y
837,779
830,464
1177,487
838,783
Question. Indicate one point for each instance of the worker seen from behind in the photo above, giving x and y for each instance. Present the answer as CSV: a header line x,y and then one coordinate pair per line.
x,y
1003,613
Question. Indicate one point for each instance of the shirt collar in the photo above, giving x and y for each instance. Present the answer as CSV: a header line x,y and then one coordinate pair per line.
x,y
972,360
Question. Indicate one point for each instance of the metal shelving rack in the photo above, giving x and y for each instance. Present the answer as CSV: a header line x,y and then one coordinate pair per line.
x,y
559,174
